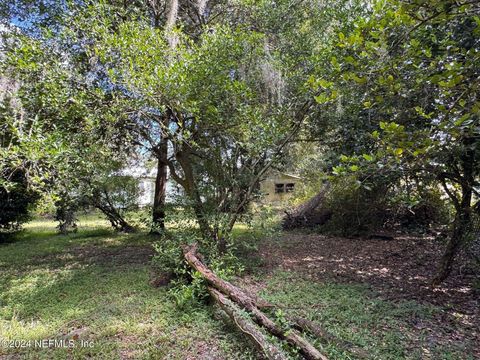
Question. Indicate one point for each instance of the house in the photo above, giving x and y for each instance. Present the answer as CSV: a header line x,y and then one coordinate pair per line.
x,y
146,182
278,186
275,187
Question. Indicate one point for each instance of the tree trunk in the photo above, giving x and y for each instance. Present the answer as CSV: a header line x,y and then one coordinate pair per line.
x,y
247,326
68,222
463,206
460,229
158,211
221,245
190,187
106,206
124,226
117,221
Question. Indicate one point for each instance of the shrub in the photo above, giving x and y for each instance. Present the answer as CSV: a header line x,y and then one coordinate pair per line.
x,y
16,203
186,285
355,209
472,243
418,210
65,208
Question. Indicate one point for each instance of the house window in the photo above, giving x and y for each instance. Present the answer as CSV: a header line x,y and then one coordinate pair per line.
x,y
279,188
284,188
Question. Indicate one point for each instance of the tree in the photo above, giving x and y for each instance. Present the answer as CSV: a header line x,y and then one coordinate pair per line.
x,y
60,133
226,98
16,203
103,186
414,67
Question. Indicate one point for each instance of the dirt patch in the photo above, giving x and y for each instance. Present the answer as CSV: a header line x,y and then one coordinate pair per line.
x,y
118,255
397,269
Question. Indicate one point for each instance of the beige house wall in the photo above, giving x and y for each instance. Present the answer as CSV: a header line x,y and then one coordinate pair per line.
x,y
267,187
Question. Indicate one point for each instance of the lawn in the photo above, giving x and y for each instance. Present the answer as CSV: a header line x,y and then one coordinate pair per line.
x,y
95,287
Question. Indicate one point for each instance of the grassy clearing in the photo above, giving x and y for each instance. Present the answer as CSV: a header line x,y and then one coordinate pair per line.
x,y
94,285
51,290
354,313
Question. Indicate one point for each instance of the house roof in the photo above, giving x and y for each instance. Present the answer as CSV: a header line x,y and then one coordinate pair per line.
x,y
140,172
291,176
278,175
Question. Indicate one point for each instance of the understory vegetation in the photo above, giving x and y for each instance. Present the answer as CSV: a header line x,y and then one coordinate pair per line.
x,y
97,285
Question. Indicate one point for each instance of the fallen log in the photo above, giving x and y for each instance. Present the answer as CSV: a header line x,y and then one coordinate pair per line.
x,y
248,302
292,336
309,326
309,214
234,292
247,327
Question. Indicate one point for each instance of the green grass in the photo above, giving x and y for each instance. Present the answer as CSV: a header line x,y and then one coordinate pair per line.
x,y
49,289
354,313
96,284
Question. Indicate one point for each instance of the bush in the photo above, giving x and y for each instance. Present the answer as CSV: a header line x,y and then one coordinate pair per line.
x,y
16,203
472,243
186,285
65,209
116,196
420,210
356,210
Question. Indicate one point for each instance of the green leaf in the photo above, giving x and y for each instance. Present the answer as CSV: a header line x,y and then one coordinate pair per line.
x,y
338,170
368,157
322,98
324,83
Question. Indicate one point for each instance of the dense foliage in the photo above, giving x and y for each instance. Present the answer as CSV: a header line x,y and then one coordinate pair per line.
x,y
382,98
414,68
15,203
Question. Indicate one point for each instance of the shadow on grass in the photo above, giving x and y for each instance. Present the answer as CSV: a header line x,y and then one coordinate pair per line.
x,y
96,282
119,311
353,312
